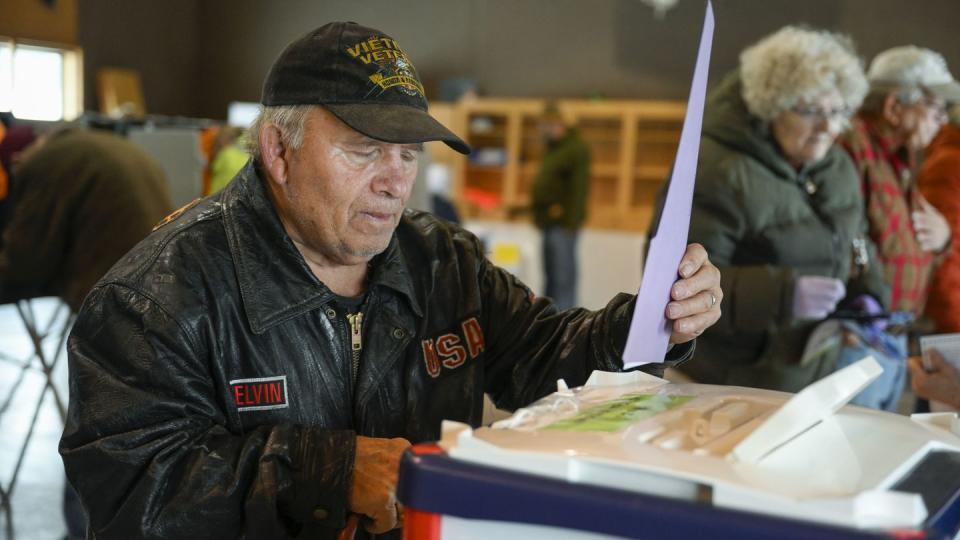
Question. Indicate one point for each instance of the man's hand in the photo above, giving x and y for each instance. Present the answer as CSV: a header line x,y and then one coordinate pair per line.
x,y
942,383
373,491
933,231
696,296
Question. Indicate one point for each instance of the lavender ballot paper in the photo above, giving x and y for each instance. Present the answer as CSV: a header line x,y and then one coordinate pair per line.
x,y
649,334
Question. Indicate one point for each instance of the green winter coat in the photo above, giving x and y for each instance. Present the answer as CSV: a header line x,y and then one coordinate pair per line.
x,y
764,224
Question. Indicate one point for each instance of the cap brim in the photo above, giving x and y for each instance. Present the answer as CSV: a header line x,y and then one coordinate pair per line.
x,y
949,92
396,124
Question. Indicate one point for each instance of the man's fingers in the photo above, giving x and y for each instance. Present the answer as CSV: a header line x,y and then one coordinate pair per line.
x,y
688,328
706,278
696,297
700,303
693,259
372,492
386,519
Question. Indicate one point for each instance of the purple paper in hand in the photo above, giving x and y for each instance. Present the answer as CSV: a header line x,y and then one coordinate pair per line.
x,y
650,329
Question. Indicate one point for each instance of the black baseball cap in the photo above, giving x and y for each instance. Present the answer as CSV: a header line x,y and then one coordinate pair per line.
x,y
364,78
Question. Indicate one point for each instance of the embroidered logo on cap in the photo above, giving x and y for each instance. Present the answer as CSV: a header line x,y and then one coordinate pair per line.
x,y
395,70
259,394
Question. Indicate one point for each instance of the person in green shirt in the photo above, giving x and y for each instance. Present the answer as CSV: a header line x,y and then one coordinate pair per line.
x,y
229,157
559,204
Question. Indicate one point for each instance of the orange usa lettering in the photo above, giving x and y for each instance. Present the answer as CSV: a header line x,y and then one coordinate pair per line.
x,y
452,350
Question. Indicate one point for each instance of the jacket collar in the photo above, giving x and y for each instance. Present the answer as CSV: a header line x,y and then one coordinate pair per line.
x,y
275,282
389,269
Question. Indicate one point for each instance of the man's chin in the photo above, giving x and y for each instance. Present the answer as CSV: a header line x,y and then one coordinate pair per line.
x,y
368,250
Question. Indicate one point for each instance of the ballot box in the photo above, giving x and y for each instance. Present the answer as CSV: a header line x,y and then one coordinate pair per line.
x,y
633,456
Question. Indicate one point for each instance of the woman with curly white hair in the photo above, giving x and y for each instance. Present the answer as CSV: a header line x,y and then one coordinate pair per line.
x,y
778,207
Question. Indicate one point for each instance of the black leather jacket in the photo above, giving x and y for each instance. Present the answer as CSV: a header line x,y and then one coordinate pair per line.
x,y
211,392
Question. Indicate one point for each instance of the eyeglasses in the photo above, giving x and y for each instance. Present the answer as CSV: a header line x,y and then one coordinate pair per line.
x,y
814,114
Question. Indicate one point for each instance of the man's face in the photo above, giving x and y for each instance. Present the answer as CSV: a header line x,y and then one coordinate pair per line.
x,y
919,122
552,128
345,192
807,131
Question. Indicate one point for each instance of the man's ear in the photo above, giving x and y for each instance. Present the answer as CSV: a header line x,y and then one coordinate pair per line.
x,y
892,109
272,153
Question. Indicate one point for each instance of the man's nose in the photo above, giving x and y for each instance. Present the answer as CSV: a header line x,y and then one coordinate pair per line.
x,y
396,176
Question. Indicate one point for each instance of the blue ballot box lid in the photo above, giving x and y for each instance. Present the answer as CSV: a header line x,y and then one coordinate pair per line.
x,y
431,481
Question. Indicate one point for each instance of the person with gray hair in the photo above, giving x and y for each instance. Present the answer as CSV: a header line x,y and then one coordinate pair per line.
x,y
778,207
909,90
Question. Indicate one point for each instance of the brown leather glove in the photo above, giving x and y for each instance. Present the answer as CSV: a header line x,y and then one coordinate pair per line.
x,y
373,490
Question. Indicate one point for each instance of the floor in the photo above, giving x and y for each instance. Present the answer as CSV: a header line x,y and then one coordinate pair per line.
x,y
37,492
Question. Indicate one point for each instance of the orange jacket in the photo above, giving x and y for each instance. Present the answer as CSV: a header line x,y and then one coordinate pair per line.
x,y
939,182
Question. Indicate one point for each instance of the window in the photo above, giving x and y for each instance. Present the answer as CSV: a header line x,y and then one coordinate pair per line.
x,y
40,82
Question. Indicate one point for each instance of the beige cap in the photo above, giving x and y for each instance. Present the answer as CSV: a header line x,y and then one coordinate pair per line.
x,y
911,66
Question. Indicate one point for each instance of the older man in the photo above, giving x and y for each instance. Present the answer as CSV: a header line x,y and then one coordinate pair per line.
x,y
909,89
258,365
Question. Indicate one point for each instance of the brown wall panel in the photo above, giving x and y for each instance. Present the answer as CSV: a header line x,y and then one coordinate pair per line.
x,y
54,21
160,39
197,56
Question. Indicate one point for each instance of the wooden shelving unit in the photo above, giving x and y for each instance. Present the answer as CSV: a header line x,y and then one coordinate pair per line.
x,y
632,144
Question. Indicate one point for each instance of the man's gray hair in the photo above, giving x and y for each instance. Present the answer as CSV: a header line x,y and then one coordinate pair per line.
x,y
289,119
798,64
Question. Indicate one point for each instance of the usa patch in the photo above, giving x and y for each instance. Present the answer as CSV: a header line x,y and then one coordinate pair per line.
x,y
259,394
452,349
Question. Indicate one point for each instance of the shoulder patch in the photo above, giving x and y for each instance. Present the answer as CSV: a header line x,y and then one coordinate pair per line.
x,y
176,213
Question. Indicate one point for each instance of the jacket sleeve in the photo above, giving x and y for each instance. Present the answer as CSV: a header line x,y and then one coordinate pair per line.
x,y
754,296
939,182
530,344
147,448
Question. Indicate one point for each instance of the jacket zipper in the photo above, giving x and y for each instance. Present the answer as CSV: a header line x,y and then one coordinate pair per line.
x,y
355,322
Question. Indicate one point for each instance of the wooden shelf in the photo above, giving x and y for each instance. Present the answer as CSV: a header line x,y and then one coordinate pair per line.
x,y
531,168
632,143
657,173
